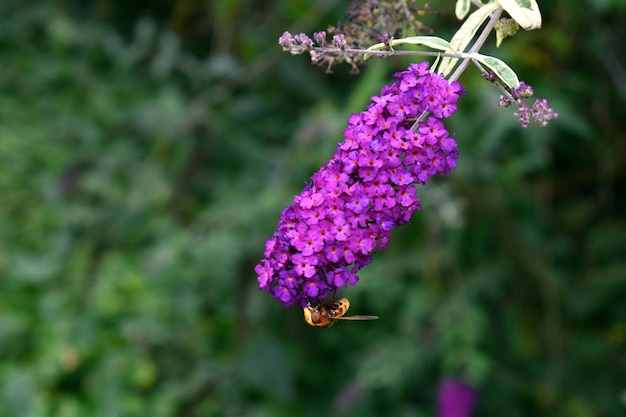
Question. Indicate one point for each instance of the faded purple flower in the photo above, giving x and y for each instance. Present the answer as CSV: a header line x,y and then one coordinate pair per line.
x,y
367,188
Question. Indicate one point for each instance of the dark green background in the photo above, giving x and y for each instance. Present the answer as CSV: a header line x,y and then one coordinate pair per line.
x,y
147,149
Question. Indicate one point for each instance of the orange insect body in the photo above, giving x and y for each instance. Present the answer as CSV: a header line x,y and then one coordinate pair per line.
x,y
324,315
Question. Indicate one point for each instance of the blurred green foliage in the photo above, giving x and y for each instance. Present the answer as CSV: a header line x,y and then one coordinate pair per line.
x,y
148,148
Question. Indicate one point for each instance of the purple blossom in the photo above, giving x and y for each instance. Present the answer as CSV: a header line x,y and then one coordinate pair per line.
x,y
367,188
339,41
303,40
295,44
320,38
286,40
539,112
455,399
358,202
385,222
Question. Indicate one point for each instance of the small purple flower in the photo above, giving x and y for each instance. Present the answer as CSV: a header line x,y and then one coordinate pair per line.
x,y
368,174
386,39
286,40
333,252
455,399
303,40
264,272
284,294
341,230
304,265
289,279
338,277
539,113
313,288
320,38
358,202
339,41
401,176
367,188
385,222
407,196
348,256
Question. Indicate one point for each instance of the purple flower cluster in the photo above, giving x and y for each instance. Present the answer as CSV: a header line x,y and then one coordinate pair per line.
x,y
539,112
366,189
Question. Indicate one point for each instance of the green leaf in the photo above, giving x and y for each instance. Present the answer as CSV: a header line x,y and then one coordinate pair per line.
x,y
524,12
502,70
465,34
433,42
462,8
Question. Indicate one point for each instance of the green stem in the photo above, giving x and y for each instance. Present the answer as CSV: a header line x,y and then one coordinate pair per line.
x,y
475,48
380,53
478,44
